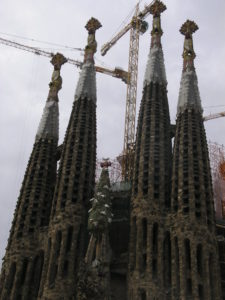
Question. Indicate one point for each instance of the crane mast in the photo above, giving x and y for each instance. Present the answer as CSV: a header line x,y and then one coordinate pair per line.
x,y
130,114
136,26
117,72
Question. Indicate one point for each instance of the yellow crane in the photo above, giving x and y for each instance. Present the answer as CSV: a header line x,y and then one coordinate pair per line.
x,y
137,26
214,116
117,72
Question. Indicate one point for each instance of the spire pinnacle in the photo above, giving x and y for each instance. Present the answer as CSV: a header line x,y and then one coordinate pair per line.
x,y
48,126
155,70
189,96
187,29
91,26
156,9
56,84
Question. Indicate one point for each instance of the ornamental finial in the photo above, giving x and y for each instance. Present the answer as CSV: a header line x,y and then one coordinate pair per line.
x,y
58,60
56,84
106,163
91,26
187,29
156,9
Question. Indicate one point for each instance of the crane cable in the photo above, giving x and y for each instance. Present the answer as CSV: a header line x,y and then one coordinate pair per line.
x,y
43,42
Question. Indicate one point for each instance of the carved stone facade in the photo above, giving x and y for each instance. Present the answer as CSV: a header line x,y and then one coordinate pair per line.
x,y
154,238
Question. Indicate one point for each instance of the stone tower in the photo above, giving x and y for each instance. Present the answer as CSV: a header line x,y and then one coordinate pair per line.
x,y
151,181
195,271
22,266
74,188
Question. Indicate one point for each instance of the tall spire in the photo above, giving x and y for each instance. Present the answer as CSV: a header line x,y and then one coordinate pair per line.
x,y
75,183
189,93
194,253
25,245
48,127
155,70
151,181
86,86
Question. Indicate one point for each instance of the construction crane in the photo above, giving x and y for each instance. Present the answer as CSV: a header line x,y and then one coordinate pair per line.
x,y
214,116
137,26
117,72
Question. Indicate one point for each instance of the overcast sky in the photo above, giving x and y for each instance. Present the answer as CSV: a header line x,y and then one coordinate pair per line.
x,y
24,77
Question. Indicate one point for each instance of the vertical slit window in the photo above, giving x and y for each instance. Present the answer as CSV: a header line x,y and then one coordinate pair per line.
x,y
23,272
143,295
167,260
211,276
36,275
134,243
199,260
11,277
177,262
144,248
187,254
154,249
69,239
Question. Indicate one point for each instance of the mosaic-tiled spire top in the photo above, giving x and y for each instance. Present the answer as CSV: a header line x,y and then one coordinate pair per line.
x,y
155,70
189,96
49,124
86,86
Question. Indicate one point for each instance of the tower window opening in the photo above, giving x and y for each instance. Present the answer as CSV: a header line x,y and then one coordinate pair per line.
x,y
65,268
58,243
167,260
199,260
200,292
145,230
211,276
134,241
187,254
69,239
11,277
155,238
189,287
177,262
24,271
143,295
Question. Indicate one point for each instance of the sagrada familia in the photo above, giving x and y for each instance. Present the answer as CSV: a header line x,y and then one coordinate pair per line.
x,y
154,239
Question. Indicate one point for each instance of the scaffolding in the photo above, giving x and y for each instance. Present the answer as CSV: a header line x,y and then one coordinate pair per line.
x,y
217,163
